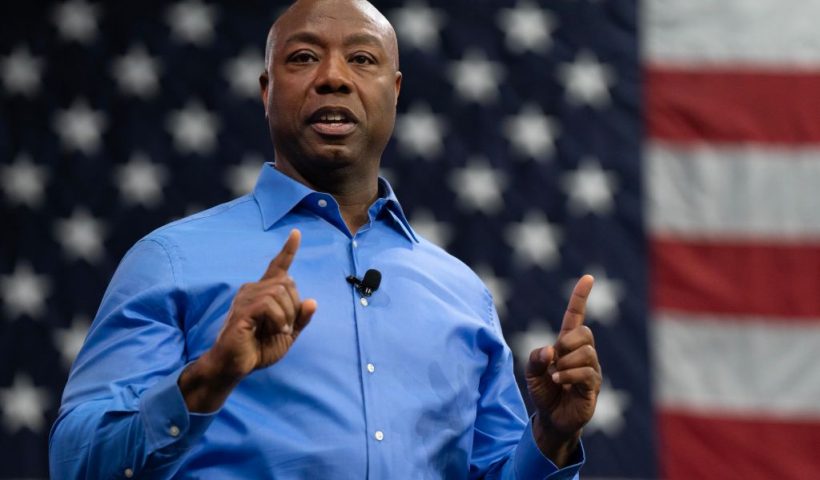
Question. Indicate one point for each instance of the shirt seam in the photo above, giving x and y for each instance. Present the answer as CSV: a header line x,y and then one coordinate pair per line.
x,y
211,212
161,243
488,297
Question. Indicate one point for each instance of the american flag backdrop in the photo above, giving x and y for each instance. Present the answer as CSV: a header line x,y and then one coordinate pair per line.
x,y
669,147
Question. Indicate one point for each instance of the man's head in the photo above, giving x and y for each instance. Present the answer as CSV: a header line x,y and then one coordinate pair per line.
x,y
331,85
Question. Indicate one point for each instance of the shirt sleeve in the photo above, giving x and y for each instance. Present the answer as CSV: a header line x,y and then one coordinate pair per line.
x,y
123,414
503,443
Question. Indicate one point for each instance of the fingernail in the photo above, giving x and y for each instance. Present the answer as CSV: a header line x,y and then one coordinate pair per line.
x,y
555,377
287,329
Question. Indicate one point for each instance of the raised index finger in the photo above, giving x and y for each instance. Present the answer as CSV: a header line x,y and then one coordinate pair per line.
x,y
281,262
574,316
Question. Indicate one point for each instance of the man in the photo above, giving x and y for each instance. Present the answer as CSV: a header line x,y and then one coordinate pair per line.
x,y
194,370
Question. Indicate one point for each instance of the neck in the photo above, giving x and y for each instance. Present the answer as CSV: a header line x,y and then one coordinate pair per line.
x,y
353,191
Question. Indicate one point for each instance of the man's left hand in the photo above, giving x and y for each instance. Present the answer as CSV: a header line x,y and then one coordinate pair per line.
x,y
564,380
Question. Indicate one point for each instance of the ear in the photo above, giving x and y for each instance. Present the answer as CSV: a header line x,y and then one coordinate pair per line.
x,y
398,86
264,90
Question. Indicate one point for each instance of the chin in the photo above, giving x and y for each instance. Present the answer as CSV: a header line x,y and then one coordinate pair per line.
x,y
336,156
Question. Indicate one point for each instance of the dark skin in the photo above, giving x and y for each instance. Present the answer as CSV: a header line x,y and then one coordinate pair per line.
x,y
330,89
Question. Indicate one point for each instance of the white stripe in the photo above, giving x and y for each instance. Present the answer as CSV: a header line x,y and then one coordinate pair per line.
x,y
745,367
772,33
708,190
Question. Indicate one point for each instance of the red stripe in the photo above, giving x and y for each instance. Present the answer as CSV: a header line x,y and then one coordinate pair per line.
x,y
733,106
774,280
702,447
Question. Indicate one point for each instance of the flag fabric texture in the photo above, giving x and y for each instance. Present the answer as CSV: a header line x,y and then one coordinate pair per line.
x,y
669,147
731,169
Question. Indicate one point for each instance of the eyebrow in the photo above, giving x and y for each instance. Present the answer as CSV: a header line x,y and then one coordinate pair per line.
x,y
355,39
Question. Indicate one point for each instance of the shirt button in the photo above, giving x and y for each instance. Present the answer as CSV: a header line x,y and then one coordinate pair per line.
x,y
322,202
128,473
363,301
371,368
379,435
174,431
355,244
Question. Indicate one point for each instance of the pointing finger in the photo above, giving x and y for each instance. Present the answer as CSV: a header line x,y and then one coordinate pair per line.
x,y
281,262
574,316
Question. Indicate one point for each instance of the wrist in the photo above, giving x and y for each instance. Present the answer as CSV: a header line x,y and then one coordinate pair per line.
x,y
205,386
557,445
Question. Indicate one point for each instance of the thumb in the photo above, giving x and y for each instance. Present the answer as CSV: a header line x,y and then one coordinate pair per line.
x,y
306,312
540,360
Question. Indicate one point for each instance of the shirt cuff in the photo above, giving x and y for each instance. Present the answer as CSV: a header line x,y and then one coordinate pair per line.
x,y
531,463
166,418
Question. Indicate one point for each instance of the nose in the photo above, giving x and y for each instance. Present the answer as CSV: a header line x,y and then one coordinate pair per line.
x,y
333,76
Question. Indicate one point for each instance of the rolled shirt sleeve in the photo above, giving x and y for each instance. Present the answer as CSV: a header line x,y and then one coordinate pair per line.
x,y
122,413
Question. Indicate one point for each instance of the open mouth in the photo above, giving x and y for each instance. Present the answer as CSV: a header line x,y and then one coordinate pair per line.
x,y
333,121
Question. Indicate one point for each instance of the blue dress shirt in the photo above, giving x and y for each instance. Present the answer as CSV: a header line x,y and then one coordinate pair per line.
x,y
413,382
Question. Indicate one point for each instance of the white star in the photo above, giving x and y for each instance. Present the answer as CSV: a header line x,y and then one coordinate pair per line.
x,y
479,186
192,21
527,27
589,189
531,132
241,179
417,25
538,334
76,20
534,240
80,128
24,181
243,72
586,80
609,411
498,287
602,304
137,73
24,405
194,129
70,340
420,131
426,225
476,78
140,181
81,236
24,292
21,72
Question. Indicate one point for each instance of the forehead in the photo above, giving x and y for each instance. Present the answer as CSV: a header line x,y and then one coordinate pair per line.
x,y
331,18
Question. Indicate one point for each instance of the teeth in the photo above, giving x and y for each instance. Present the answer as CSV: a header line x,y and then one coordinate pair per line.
x,y
332,117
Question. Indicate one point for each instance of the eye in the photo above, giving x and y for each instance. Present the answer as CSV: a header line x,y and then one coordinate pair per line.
x,y
362,59
302,57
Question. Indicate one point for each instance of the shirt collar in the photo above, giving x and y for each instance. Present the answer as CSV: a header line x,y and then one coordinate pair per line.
x,y
277,194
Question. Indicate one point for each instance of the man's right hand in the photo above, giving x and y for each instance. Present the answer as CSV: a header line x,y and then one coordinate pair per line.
x,y
265,319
